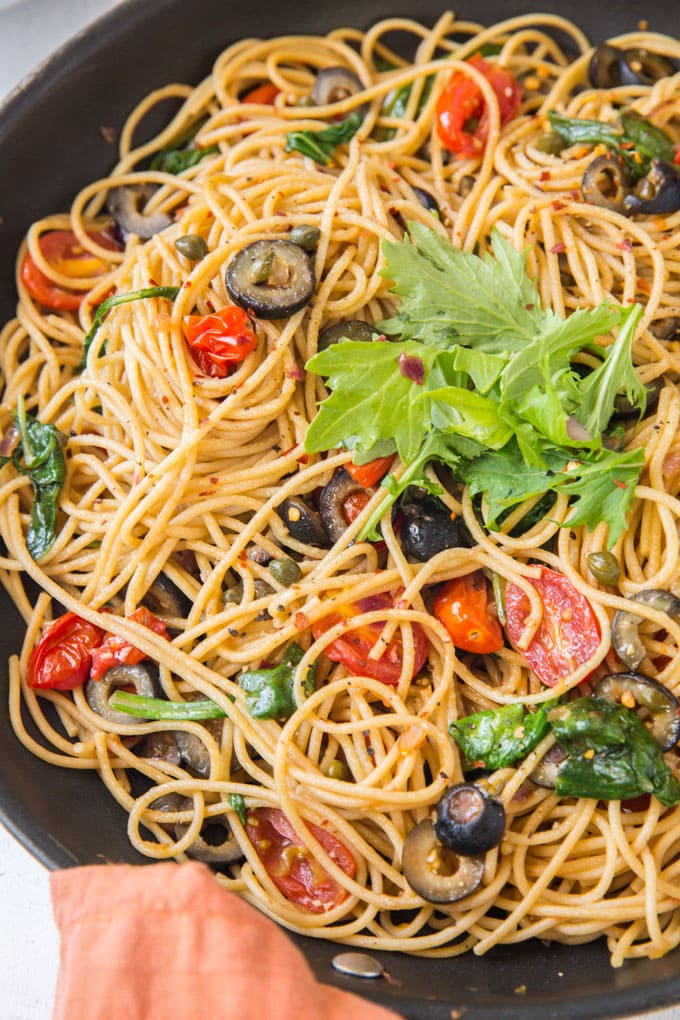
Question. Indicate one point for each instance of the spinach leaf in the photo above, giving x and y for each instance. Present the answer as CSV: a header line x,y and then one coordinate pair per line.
x,y
269,692
122,299
239,805
319,145
635,139
159,708
496,738
40,457
174,161
612,756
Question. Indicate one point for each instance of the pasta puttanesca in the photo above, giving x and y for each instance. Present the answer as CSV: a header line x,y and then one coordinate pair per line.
x,y
170,470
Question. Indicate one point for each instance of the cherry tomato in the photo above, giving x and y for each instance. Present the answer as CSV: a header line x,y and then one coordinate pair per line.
x,y
116,651
290,865
265,94
219,340
569,632
370,474
462,114
64,252
354,647
61,659
464,607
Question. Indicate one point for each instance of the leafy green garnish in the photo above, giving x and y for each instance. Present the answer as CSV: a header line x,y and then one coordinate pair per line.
x,y
319,145
239,805
612,756
395,103
496,738
497,398
159,708
635,139
122,299
180,155
269,692
40,457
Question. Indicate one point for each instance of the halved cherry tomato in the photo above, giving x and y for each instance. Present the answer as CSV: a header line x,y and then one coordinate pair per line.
x,y
354,503
290,865
464,607
219,340
64,252
265,94
61,660
370,473
569,632
354,647
116,651
462,114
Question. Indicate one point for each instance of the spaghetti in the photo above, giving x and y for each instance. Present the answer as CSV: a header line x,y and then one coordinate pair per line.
x,y
178,469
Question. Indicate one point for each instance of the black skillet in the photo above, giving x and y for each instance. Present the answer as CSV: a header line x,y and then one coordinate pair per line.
x,y
52,144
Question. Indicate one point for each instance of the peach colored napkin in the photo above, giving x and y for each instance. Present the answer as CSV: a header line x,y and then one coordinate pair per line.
x,y
157,941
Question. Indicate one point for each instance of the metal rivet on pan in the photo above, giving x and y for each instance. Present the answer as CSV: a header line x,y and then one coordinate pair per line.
x,y
357,965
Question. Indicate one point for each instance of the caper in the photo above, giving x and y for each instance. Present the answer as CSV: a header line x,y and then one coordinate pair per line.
x,y
192,247
261,268
465,185
261,588
234,593
550,143
604,567
285,570
306,236
337,770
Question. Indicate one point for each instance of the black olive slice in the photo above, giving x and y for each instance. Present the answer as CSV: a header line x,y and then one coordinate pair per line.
x,y
165,599
469,821
655,704
624,408
657,194
662,329
127,205
545,773
427,529
604,69
625,638
193,750
641,67
605,182
303,523
434,872
333,84
347,329
272,279
98,692
428,201
332,500
215,843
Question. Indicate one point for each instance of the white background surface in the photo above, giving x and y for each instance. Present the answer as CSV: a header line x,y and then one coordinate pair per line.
x,y
29,31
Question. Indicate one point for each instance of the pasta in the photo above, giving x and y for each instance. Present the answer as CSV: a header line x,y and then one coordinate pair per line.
x,y
177,467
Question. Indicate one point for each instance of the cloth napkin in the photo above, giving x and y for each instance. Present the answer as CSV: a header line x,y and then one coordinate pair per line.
x,y
158,941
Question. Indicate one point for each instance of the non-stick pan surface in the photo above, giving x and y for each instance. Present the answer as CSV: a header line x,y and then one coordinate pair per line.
x,y
53,144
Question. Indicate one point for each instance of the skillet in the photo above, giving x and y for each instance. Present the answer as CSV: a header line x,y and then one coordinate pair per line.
x,y
52,145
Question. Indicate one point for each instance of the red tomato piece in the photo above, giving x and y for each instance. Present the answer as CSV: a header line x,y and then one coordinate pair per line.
x,y
353,648
290,865
265,94
116,651
219,340
61,659
370,474
569,632
462,114
464,607
64,252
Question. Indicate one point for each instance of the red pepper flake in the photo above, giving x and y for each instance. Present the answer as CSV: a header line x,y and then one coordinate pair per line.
x,y
530,307
557,205
625,245
207,492
165,400
380,339
303,458
545,175
643,285
108,133
676,157
214,480
301,620
557,248
295,373
619,484
575,194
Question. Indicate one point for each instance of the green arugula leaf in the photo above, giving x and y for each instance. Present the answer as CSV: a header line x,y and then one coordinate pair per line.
x,y
598,390
448,295
605,488
320,145
473,416
238,803
371,398
175,161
